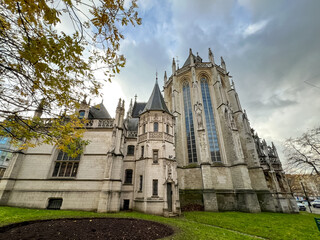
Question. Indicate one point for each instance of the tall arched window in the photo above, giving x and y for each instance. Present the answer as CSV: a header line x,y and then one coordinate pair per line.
x,y
191,142
210,124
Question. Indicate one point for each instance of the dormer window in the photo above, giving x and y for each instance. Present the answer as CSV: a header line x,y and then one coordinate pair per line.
x,y
155,127
81,114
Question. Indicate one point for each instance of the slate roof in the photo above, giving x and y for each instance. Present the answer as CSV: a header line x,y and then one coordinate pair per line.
x,y
156,101
133,124
137,109
98,111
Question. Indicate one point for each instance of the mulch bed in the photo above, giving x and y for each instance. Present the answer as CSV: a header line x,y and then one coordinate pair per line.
x,y
86,228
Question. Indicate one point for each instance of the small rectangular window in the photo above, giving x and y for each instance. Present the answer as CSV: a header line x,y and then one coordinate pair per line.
x,y
54,203
155,187
167,128
155,156
155,127
142,151
141,183
144,128
128,176
81,114
130,150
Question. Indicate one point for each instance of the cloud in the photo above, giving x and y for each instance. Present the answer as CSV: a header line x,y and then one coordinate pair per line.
x,y
255,27
270,48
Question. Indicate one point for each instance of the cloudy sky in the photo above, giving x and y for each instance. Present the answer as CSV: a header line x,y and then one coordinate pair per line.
x,y
271,48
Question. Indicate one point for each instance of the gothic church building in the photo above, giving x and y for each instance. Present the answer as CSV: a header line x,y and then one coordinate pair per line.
x,y
192,148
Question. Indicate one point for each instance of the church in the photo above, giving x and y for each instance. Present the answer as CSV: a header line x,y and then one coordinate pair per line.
x,y
190,149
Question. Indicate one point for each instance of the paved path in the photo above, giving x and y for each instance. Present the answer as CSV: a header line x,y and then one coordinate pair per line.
x,y
314,210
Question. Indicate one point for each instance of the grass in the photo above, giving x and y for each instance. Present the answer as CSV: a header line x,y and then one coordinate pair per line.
x,y
197,225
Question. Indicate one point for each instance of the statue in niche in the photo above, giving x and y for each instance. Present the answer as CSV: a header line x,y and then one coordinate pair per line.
x,y
198,111
229,117
232,122
169,170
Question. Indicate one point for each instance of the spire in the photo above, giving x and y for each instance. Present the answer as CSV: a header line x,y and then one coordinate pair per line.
x,y
173,66
84,100
156,101
135,98
165,77
223,64
191,56
211,57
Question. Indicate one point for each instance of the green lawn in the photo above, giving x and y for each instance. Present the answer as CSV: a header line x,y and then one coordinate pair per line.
x,y
197,225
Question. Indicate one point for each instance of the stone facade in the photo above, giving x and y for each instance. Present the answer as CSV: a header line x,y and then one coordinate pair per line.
x,y
194,148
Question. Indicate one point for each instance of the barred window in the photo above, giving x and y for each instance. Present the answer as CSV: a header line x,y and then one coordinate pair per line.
x,y
65,166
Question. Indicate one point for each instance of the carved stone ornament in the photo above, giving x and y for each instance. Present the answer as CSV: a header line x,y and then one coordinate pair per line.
x,y
198,111
169,170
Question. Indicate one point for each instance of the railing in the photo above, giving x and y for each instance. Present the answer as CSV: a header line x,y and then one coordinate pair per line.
x,y
156,136
90,123
100,123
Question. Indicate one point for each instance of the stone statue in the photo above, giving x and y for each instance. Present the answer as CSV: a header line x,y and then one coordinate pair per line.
x,y
198,111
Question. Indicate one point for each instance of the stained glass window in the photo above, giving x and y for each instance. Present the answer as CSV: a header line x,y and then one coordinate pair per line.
x,y
210,124
191,142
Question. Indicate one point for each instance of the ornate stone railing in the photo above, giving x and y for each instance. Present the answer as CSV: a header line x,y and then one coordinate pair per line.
x,y
142,137
168,138
132,134
204,65
100,123
156,136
